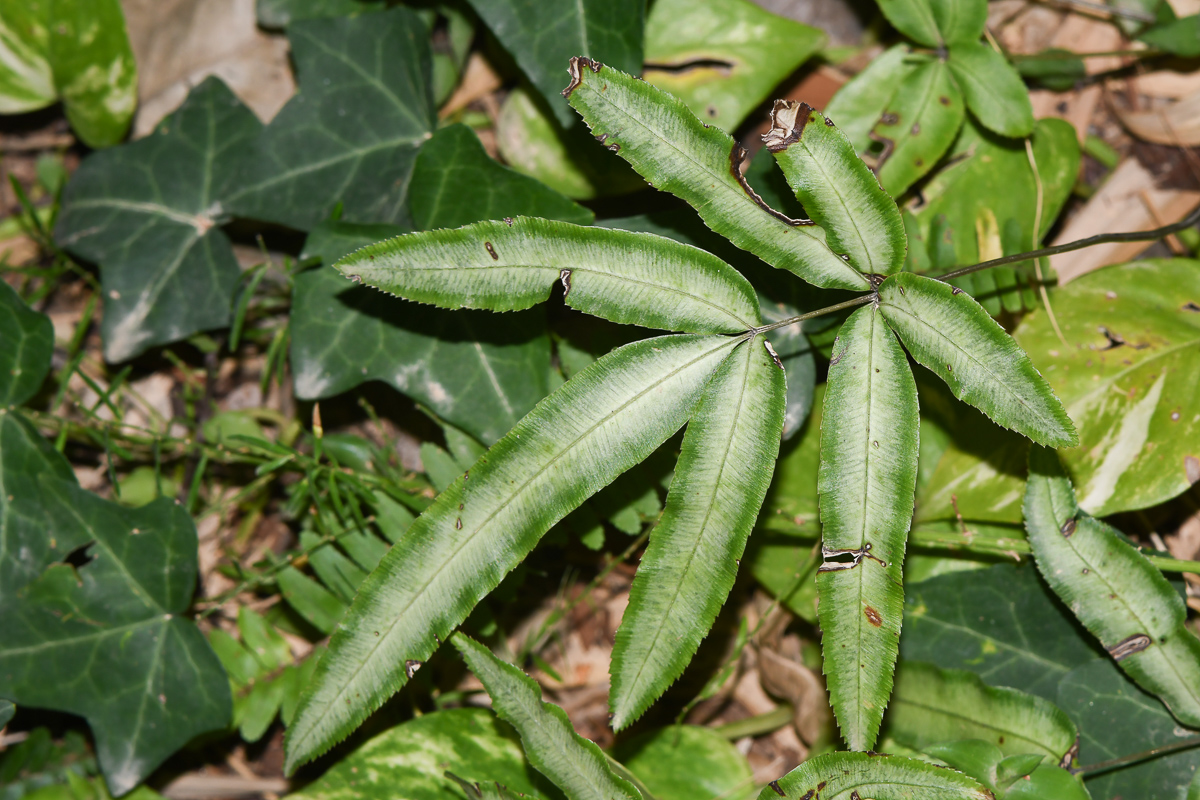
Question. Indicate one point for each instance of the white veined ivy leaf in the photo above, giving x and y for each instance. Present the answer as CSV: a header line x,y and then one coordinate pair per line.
x,y
947,331
635,278
724,469
993,90
837,189
606,419
857,776
917,125
931,705
866,482
1119,596
573,763
677,153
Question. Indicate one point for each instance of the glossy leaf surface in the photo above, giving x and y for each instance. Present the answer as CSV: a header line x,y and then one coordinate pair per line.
x,y
148,213
542,37
860,102
351,134
28,345
724,469
686,762
123,608
917,126
869,444
992,89
511,265
931,705
833,183
575,764
576,441
723,57
678,153
842,776
469,742
947,331
1114,591
1128,380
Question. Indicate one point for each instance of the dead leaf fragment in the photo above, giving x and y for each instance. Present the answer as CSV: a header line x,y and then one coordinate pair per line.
x,y
1177,124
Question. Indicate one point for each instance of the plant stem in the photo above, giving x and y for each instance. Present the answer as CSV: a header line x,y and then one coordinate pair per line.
x,y
1113,763
773,720
1103,238
1106,9
820,312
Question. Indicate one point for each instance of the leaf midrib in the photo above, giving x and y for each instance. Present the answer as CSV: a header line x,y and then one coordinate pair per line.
x,y
346,686
832,184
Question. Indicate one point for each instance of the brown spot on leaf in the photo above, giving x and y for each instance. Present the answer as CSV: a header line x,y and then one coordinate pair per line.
x,y
1067,528
1127,647
411,667
944,100
775,785
873,616
1191,306
491,251
576,70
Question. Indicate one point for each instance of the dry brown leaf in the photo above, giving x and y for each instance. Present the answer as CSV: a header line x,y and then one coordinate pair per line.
x,y
1128,201
1169,84
478,81
796,683
179,43
19,250
1081,34
1177,124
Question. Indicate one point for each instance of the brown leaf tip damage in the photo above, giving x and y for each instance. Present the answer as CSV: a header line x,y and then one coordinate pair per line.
x,y
775,785
411,667
737,154
788,119
576,69
771,352
1130,646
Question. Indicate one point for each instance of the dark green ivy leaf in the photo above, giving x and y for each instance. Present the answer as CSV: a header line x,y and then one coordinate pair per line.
x,y
28,339
542,35
106,640
148,213
278,14
351,134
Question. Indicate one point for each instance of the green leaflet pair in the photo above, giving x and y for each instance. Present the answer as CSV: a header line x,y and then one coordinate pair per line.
x,y
716,375
912,101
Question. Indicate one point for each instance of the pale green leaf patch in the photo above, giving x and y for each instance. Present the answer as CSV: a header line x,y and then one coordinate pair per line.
x,y
1119,596
606,419
847,776
508,265
866,483
993,90
917,126
841,195
575,764
724,470
859,103
947,331
677,153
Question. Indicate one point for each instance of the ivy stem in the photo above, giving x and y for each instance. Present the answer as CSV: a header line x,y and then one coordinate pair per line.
x,y
1113,763
1103,238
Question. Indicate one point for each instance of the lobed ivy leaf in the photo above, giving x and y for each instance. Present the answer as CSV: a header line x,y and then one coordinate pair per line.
x,y
931,705
575,764
724,469
1128,380
1001,623
992,89
149,213
918,125
1119,596
606,419
416,754
106,640
28,345
541,36
861,101
844,776
947,331
677,153
512,265
350,135
842,195
94,70
867,477
723,57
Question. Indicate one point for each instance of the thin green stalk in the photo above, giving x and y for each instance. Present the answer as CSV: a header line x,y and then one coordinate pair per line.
x,y
1092,770
758,725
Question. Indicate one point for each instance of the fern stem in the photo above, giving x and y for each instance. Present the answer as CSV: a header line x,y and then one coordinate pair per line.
x,y
1104,766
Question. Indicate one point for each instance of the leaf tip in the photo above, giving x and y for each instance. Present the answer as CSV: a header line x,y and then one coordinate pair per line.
x,y
575,68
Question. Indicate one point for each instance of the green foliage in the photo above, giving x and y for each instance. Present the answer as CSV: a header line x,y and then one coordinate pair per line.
x,y
686,762
574,764
75,51
841,776
867,476
724,469
1117,594
918,124
29,343
1180,36
723,57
